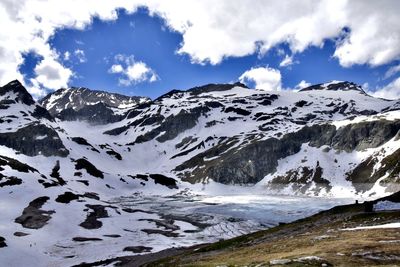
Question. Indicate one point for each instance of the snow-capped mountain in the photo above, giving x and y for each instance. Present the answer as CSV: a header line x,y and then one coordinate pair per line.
x,y
97,107
75,153
225,133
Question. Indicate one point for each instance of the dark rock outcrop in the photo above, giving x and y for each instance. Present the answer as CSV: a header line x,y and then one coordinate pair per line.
x,y
67,197
16,165
89,167
2,242
33,216
91,222
35,139
158,179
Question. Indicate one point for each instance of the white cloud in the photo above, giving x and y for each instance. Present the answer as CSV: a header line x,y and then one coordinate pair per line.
x,y
80,55
51,74
67,55
214,30
116,68
392,71
390,91
27,25
138,72
287,61
132,71
265,78
302,84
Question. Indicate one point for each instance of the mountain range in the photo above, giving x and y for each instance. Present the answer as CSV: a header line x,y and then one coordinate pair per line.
x,y
69,154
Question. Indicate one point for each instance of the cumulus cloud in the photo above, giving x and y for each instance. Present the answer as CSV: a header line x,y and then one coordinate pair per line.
x,y
51,74
365,32
212,31
265,78
390,91
27,27
132,71
117,68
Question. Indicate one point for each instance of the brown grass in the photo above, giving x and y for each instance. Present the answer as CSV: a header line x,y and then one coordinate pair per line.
x,y
315,236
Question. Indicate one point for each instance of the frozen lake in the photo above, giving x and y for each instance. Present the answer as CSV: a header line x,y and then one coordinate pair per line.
x,y
144,223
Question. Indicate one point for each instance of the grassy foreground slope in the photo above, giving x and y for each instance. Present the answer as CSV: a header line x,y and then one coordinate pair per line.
x,y
318,240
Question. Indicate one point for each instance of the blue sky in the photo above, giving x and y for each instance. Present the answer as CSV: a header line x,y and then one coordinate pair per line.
x,y
138,37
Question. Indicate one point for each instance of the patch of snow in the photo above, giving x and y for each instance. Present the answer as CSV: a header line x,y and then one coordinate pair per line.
x,y
382,226
40,137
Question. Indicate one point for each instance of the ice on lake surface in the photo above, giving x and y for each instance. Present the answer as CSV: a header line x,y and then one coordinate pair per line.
x,y
210,218
159,222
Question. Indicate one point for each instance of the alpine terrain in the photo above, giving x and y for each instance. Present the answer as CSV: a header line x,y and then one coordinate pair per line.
x,y
87,176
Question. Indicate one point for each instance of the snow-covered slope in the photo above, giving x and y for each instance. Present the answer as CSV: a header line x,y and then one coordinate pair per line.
x,y
78,159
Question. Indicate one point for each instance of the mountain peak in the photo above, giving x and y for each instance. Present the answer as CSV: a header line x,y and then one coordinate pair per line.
x,y
98,107
22,94
335,86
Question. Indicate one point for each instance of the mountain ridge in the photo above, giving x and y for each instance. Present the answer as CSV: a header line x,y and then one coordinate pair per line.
x,y
229,159
109,169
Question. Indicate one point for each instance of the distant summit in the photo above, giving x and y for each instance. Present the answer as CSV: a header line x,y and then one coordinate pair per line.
x,y
335,86
79,97
211,87
98,107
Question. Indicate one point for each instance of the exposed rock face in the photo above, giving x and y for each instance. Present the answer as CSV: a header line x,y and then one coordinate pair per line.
x,y
365,175
98,113
254,161
364,135
303,179
173,125
35,139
